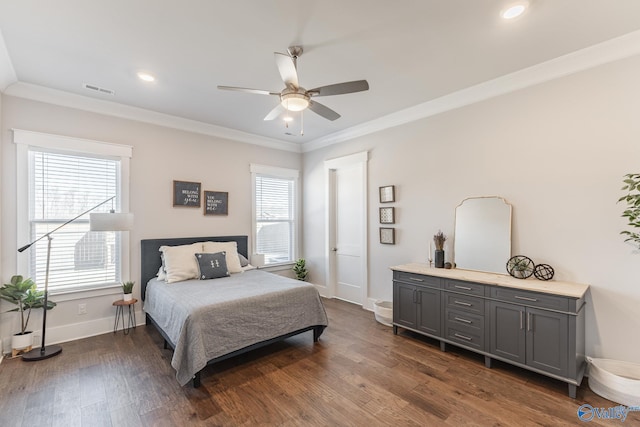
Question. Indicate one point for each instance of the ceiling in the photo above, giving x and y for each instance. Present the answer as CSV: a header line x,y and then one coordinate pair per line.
x,y
411,52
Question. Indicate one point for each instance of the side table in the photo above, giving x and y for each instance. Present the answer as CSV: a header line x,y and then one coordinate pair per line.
x,y
120,304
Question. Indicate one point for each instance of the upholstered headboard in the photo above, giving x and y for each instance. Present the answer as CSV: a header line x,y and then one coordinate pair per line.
x,y
150,253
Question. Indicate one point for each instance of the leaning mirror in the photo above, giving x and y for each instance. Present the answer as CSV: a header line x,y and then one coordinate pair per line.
x,y
482,235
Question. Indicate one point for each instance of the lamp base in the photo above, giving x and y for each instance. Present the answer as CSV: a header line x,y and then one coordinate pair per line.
x,y
42,353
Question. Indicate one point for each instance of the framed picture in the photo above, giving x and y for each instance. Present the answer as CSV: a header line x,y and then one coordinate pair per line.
x,y
216,203
388,236
387,216
186,193
387,194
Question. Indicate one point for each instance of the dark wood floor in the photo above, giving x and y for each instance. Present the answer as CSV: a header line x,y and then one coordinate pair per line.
x,y
359,374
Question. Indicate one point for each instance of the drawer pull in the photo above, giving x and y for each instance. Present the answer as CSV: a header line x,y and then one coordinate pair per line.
x,y
415,279
466,304
526,298
460,319
464,337
464,288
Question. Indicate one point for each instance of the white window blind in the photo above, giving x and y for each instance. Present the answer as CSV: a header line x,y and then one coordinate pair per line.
x,y
275,218
61,186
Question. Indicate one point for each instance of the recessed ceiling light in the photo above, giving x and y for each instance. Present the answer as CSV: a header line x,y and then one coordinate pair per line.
x,y
146,77
514,10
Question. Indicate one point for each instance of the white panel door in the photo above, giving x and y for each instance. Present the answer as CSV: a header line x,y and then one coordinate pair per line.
x,y
349,217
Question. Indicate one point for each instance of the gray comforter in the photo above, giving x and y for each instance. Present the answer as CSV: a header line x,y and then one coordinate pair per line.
x,y
205,319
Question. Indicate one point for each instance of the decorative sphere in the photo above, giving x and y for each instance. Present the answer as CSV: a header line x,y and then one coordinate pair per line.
x,y
447,265
543,272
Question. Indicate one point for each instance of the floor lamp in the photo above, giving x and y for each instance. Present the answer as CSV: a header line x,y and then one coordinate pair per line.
x,y
98,222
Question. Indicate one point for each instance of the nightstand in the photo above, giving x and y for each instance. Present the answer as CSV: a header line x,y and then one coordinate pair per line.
x,y
130,304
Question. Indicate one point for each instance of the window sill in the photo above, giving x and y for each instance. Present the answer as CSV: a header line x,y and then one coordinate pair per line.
x,y
278,267
61,295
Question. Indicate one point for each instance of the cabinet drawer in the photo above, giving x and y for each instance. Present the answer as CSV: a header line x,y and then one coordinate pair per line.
x,y
464,336
464,287
534,299
417,279
464,303
464,321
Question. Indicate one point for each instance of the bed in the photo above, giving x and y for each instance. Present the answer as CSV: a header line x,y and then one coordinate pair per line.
x,y
207,321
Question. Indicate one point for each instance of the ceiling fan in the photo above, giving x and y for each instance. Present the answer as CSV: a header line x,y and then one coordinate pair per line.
x,y
296,98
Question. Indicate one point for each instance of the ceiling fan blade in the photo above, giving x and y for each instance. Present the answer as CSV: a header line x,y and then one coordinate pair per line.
x,y
340,88
275,112
323,111
287,68
247,90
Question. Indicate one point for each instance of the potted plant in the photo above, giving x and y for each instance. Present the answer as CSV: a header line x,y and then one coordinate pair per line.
x,y
632,212
127,290
438,239
300,269
24,294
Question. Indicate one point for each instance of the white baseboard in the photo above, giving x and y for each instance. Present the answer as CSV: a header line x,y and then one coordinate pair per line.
x,y
76,331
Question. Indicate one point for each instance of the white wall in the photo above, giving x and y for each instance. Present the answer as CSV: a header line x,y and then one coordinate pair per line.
x,y
160,155
556,151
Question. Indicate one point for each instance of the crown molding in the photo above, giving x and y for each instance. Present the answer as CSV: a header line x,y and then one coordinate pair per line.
x,y
612,50
110,108
7,73
609,51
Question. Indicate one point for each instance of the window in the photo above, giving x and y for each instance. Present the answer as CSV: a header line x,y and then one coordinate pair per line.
x,y
275,192
62,182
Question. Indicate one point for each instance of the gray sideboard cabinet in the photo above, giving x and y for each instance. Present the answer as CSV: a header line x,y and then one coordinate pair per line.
x,y
532,324
416,303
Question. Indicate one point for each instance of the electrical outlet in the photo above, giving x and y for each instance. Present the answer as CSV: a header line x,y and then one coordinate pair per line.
x,y
82,308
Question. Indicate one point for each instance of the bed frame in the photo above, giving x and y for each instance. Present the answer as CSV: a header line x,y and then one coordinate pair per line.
x,y
151,262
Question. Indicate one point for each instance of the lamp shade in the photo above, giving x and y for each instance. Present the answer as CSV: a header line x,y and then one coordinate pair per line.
x,y
111,221
257,260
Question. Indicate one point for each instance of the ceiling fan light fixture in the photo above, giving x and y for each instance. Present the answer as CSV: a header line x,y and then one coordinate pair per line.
x,y
295,101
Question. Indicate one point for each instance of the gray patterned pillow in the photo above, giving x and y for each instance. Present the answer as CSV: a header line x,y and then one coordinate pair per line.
x,y
212,266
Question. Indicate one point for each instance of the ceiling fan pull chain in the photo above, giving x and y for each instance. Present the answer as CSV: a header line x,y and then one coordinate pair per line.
x,y
302,123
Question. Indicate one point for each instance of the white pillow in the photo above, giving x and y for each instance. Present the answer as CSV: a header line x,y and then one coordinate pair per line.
x,y
161,274
180,261
231,248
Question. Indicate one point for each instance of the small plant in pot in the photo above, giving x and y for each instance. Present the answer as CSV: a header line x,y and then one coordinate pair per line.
x,y
127,290
300,268
24,294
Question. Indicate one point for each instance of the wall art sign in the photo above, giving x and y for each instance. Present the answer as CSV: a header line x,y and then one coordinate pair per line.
x,y
216,203
186,193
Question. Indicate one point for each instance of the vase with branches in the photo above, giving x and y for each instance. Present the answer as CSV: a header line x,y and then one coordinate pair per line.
x,y
438,240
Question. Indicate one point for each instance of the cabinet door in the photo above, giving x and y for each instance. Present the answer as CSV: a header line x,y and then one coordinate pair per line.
x,y
429,311
507,334
547,340
404,305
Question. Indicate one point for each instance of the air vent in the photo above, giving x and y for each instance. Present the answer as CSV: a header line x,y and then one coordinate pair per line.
x,y
99,89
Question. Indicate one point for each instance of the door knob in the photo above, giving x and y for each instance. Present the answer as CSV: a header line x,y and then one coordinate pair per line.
x,y
334,249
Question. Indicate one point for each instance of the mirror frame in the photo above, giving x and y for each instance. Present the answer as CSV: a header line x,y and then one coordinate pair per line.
x,y
455,228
